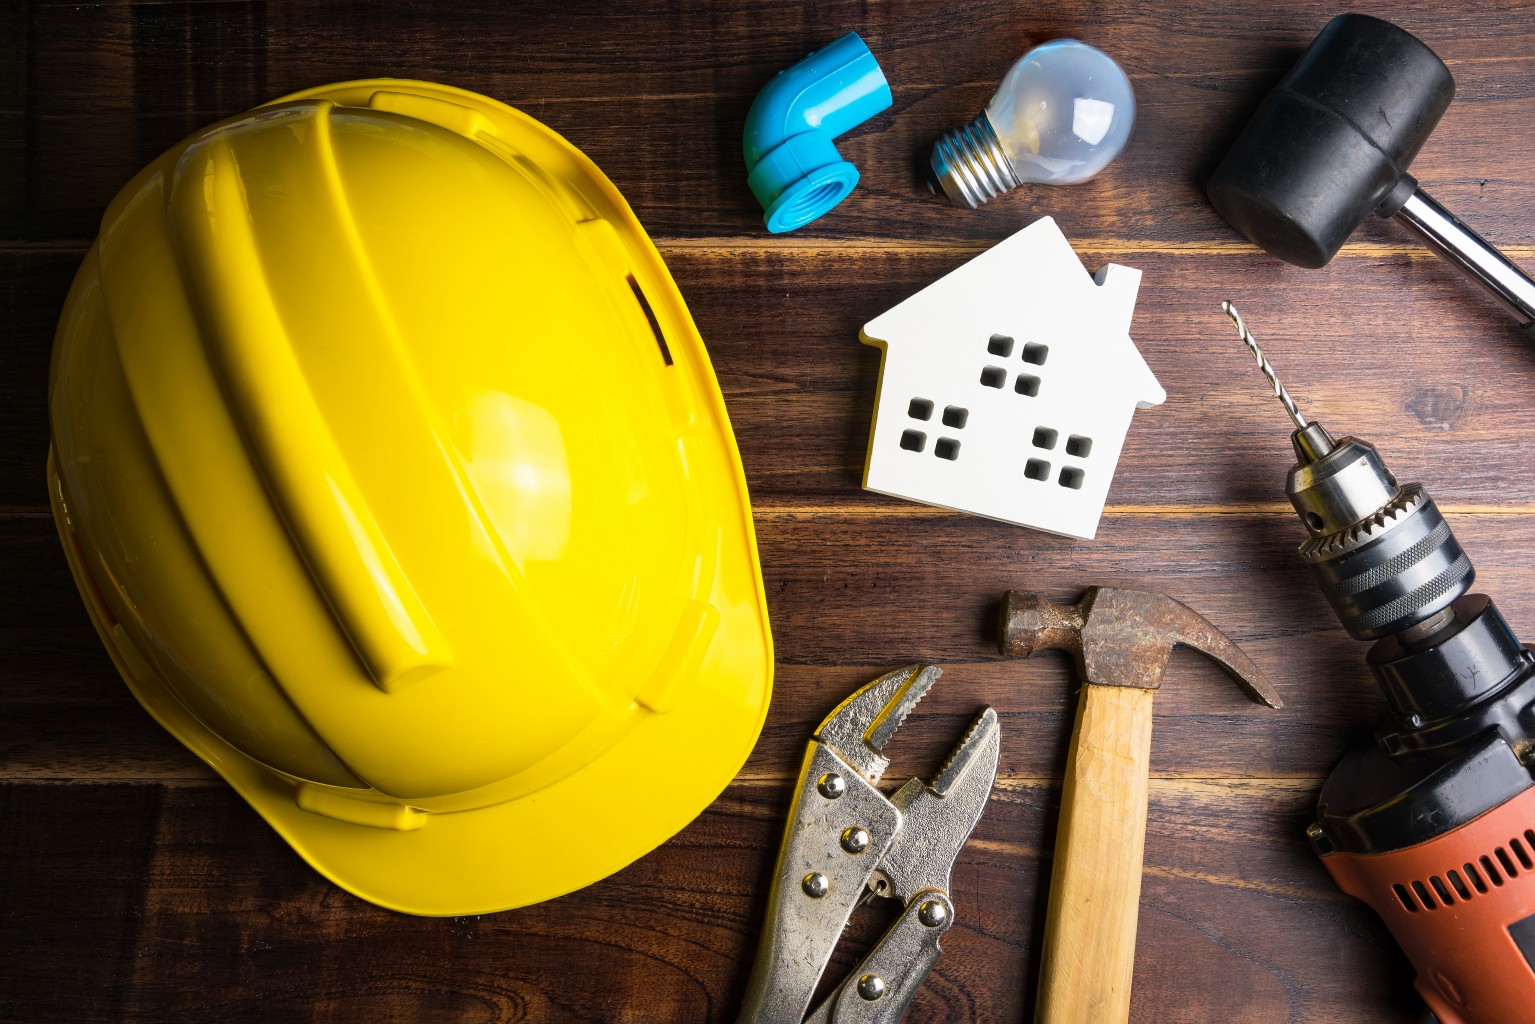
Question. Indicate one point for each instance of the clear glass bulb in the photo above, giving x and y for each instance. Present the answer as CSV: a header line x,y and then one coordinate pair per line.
x,y
1060,115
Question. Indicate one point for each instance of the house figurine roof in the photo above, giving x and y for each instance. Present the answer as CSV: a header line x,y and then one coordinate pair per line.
x,y
1007,386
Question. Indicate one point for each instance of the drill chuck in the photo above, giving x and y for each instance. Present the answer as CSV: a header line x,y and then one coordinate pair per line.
x,y
1380,551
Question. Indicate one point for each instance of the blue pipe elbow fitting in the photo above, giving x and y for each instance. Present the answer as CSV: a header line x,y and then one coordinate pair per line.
x,y
792,165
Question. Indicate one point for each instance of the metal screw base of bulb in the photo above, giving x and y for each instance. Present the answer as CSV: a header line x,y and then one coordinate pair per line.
x,y
970,165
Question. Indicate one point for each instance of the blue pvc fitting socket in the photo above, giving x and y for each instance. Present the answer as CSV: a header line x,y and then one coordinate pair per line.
x,y
792,166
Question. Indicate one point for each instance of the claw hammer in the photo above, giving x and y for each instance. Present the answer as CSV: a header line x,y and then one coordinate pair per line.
x,y
1121,640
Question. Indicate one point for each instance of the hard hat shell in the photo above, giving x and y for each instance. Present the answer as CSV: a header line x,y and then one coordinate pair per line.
x,y
397,481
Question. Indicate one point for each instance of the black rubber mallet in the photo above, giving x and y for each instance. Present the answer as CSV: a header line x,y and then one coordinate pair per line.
x,y
1331,144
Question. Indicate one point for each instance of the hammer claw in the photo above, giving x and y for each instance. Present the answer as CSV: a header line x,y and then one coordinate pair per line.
x,y
1200,634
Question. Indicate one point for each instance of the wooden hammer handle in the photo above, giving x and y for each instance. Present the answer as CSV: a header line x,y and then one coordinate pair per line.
x,y
1095,883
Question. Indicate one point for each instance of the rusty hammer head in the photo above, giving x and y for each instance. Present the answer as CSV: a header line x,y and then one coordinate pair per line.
x,y
1123,637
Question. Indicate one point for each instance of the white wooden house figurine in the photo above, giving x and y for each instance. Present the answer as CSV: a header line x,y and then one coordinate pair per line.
x,y
1006,387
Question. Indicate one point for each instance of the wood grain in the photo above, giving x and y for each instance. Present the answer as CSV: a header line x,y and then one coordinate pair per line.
x,y
851,598
1087,955
1392,346
231,926
137,887
657,96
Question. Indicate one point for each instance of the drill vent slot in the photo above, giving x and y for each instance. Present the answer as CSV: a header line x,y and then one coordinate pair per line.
x,y
1519,851
1490,871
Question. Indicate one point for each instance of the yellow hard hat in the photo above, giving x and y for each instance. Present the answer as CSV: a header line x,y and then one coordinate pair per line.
x,y
398,483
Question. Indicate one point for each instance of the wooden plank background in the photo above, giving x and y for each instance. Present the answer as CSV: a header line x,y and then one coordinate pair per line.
x,y
135,886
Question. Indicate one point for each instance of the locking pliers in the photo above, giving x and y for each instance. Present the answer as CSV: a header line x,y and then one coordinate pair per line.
x,y
846,839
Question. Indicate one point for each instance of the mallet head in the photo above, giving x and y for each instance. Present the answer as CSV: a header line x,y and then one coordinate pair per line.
x,y
1332,142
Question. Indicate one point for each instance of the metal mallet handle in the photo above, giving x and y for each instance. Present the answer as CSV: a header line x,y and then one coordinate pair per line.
x,y
1443,232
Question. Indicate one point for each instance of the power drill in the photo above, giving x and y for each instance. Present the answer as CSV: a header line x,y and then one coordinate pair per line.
x,y
1433,823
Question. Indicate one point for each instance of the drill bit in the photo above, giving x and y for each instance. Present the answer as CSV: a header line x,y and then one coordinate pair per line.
x,y
1263,364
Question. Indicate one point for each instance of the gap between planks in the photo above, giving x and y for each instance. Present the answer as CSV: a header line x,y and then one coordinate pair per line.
x,y
1198,786
898,246
746,245
771,509
1206,790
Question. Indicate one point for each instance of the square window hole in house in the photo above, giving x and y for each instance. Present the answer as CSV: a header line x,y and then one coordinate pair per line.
x,y
913,440
993,376
919,409
955,416
1072,477
1035,353
946,448
1045,438
1037,469
1027,385
1000,345
1079,446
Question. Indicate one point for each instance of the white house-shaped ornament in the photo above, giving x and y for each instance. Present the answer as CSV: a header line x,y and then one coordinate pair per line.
x,y
1007,386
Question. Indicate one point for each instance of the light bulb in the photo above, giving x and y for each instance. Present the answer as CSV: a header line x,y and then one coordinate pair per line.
x,y
1059,116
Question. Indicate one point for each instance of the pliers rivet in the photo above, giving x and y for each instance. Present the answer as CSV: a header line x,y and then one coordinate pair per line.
x,y
832,785
855,839
815,885
932,914
871,987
